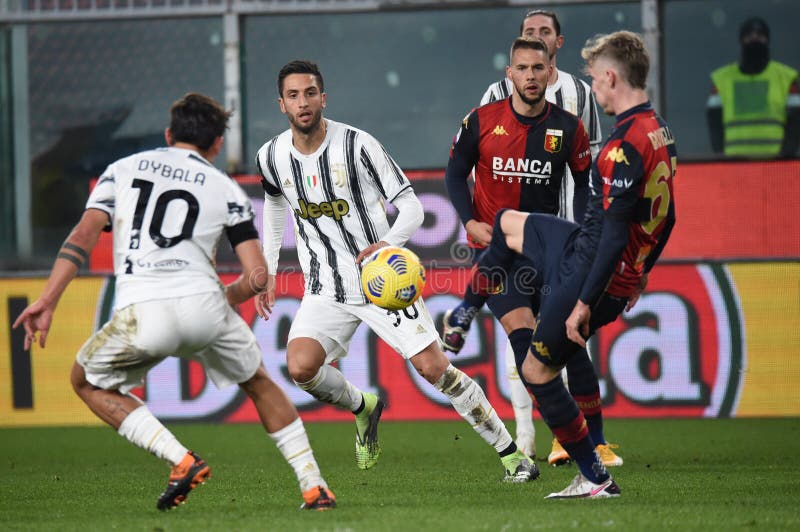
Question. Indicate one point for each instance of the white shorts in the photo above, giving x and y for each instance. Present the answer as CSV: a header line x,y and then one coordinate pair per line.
x,y
201,327
332,324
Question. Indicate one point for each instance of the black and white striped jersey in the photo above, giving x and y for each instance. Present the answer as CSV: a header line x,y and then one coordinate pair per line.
x,y
169,208
337,196
570,93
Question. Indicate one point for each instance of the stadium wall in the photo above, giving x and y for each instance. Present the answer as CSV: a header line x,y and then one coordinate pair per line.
x,y
717,334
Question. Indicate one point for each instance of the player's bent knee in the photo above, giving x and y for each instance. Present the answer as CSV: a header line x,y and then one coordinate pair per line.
x,y
534,371
430,363
513,224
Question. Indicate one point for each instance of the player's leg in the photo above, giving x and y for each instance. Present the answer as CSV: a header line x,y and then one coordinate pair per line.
x,y
522,404
550,350
412,333
487,277
99,382
471,404
283,424
585,389
320,333
235,357
516,306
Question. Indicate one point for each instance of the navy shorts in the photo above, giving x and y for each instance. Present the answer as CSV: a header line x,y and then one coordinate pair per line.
x,y
548,246
521,289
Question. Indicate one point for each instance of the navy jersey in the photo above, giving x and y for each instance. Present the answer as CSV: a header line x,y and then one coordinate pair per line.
x,y
519,161
631,195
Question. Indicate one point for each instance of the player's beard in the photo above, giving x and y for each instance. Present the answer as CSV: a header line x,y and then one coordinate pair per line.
x,y
530,101
316,119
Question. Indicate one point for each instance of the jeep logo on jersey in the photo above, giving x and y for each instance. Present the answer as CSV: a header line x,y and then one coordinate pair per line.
x,y
553,139
618,156
335,209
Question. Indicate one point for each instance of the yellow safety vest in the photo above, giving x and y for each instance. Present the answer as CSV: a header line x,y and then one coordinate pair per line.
x,y
753,108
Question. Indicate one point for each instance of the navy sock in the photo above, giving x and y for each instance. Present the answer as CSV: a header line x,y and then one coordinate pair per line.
x,y
520,342
585,389
565,419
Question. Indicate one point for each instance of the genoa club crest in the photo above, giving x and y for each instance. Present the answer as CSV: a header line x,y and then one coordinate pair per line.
x,y
553,139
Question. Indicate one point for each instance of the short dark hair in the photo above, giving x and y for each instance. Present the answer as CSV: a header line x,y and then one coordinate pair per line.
x,y
544,13
528,43
300,66
198,120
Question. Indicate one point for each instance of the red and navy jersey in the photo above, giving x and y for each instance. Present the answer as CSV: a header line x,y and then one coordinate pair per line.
x,y
631,194
519,161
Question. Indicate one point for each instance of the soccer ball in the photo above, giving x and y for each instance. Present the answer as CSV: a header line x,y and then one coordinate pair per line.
x,y
393,278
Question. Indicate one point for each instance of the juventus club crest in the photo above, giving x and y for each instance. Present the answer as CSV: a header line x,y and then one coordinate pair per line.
x,y
553,139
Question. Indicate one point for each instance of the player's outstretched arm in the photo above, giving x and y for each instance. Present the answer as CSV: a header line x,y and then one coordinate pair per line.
x,y
38,316
255,276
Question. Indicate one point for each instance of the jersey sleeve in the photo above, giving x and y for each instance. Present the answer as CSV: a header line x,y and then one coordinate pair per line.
x,y
621,191
609,230
381,168
580,164
591,119
102,196
268,180
240,209
464,154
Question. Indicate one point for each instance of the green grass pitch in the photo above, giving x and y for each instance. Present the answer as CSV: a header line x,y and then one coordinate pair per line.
x,y
739,474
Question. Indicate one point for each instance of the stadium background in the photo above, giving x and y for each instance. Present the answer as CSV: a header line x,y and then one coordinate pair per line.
x,y
85,82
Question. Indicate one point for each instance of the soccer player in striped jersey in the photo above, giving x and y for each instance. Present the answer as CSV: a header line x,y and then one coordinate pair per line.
x,y
573,94
600,268
336,179
168,208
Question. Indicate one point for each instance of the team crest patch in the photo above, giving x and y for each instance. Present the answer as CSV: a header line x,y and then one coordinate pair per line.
x,y
339,174
553,139
311,180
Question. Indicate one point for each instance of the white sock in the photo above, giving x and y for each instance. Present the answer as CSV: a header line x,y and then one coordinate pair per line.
x,y
142,429
292,442
520,398
330,386
470,402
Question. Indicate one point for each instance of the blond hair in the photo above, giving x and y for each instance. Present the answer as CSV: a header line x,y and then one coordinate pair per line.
x,y
624,48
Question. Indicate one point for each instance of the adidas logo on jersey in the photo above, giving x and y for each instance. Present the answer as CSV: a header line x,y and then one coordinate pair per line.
x,y
287,184
499,130
420,329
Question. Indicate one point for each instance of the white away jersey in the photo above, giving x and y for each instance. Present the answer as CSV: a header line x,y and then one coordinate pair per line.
x,y
168,208
337,196
574,95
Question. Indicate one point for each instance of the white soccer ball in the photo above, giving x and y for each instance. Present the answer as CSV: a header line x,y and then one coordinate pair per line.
x,y
393,278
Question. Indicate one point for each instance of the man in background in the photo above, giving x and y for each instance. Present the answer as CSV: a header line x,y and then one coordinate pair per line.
x,y
754,107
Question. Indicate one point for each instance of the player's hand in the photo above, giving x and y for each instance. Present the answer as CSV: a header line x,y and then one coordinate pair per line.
x,y
265,300
637,292
578,323
36,318
481,232
369,250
